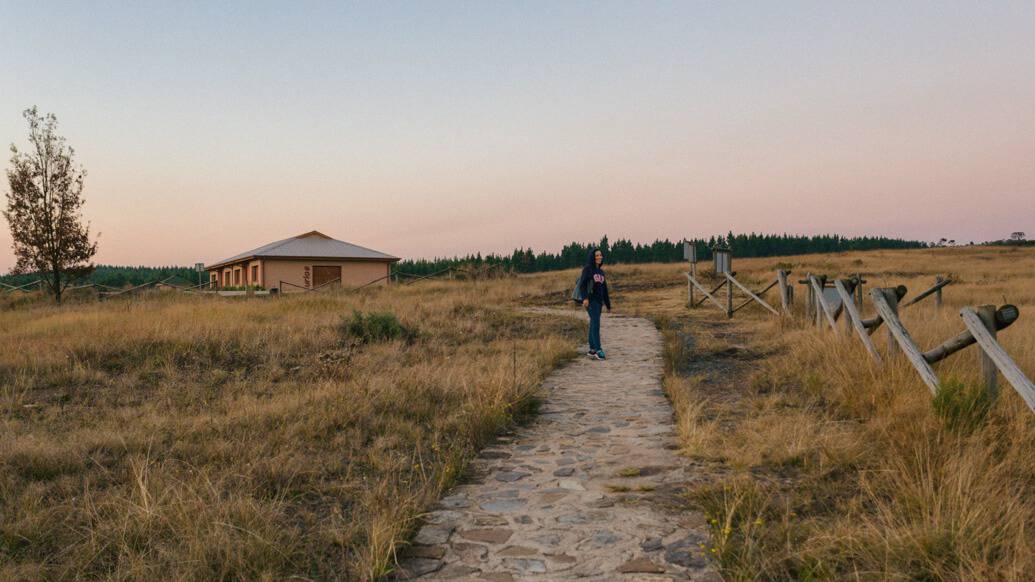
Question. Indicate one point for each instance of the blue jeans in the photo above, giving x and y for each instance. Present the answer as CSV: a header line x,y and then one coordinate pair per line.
x,y
594,324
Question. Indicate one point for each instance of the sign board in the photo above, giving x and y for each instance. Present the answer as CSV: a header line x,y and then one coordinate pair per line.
x,y
689,251
723,260
199,267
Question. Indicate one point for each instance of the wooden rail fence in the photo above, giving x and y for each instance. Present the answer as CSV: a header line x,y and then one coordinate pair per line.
x,y
828,300
25,287
729,281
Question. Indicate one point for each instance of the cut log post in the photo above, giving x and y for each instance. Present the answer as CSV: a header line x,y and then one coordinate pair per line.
x,y
707,295
892,301
876,321
1010,370
938,295
852,316
886,300
988,371
785,291
1004,317
750,294
859,290
824,308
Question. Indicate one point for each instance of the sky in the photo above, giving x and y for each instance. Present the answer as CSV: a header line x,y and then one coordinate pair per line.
x,y
429,129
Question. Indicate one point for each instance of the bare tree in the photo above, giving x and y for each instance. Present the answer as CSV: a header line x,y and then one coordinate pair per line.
x,y
44,208
1017,236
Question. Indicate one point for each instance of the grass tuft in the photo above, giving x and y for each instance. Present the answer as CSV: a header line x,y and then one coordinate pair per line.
x,y
963,407
375,327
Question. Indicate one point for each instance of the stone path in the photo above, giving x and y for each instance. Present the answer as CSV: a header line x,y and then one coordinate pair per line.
x,y
589,490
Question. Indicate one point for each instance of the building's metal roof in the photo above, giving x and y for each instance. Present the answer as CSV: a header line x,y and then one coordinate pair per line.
x,y
310,245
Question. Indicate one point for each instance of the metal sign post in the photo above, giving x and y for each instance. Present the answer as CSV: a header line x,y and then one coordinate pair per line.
x,y
690,254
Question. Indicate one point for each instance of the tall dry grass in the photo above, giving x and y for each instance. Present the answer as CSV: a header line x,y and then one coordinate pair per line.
x,y
177,438
819,464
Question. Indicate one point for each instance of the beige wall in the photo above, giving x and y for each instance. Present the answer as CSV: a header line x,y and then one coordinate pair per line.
x,y
257,266
273,271
353,273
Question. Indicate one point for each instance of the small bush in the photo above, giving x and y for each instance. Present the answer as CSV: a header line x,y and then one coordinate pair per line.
x,y
962,407
375,327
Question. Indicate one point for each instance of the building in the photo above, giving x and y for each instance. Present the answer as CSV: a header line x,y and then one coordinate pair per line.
x,y
306,261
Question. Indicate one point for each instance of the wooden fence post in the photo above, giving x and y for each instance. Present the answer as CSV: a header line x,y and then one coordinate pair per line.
x,y
855,320
1011,371
859,290
882,300
785,296
823,310
1004,317
892,300
935,290
810,304
729,298
690,287
818,292
988,369
845,313
938,300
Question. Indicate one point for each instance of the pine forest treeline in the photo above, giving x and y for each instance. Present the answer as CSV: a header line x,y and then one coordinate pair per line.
x,y
572,255
663,251
118,277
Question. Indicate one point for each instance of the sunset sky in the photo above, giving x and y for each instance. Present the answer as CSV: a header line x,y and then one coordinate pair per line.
x,y
434,128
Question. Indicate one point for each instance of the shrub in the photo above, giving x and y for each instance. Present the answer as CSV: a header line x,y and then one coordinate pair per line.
x,y
375,327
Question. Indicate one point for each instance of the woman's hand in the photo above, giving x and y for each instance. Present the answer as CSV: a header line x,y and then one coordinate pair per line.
x,y
585,303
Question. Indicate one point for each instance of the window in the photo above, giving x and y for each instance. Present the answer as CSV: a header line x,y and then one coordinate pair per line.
x,y
255,274
237,276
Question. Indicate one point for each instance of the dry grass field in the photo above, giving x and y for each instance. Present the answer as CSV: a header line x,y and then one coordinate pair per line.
x,y
820,465
196,438
200,438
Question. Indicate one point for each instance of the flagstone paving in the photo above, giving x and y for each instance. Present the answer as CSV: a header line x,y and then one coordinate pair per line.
x,y
589,490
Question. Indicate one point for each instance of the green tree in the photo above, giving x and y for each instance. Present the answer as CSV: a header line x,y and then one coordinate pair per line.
x,y
44,208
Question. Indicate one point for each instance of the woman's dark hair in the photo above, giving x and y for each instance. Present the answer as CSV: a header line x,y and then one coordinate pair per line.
x,y
591,258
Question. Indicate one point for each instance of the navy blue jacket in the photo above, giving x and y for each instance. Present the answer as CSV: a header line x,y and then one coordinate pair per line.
x,y
591,273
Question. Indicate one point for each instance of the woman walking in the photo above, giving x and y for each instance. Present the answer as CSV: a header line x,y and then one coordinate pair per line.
x,y
593,285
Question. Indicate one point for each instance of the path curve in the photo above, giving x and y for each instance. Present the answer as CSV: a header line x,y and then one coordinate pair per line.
x,y
589,490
